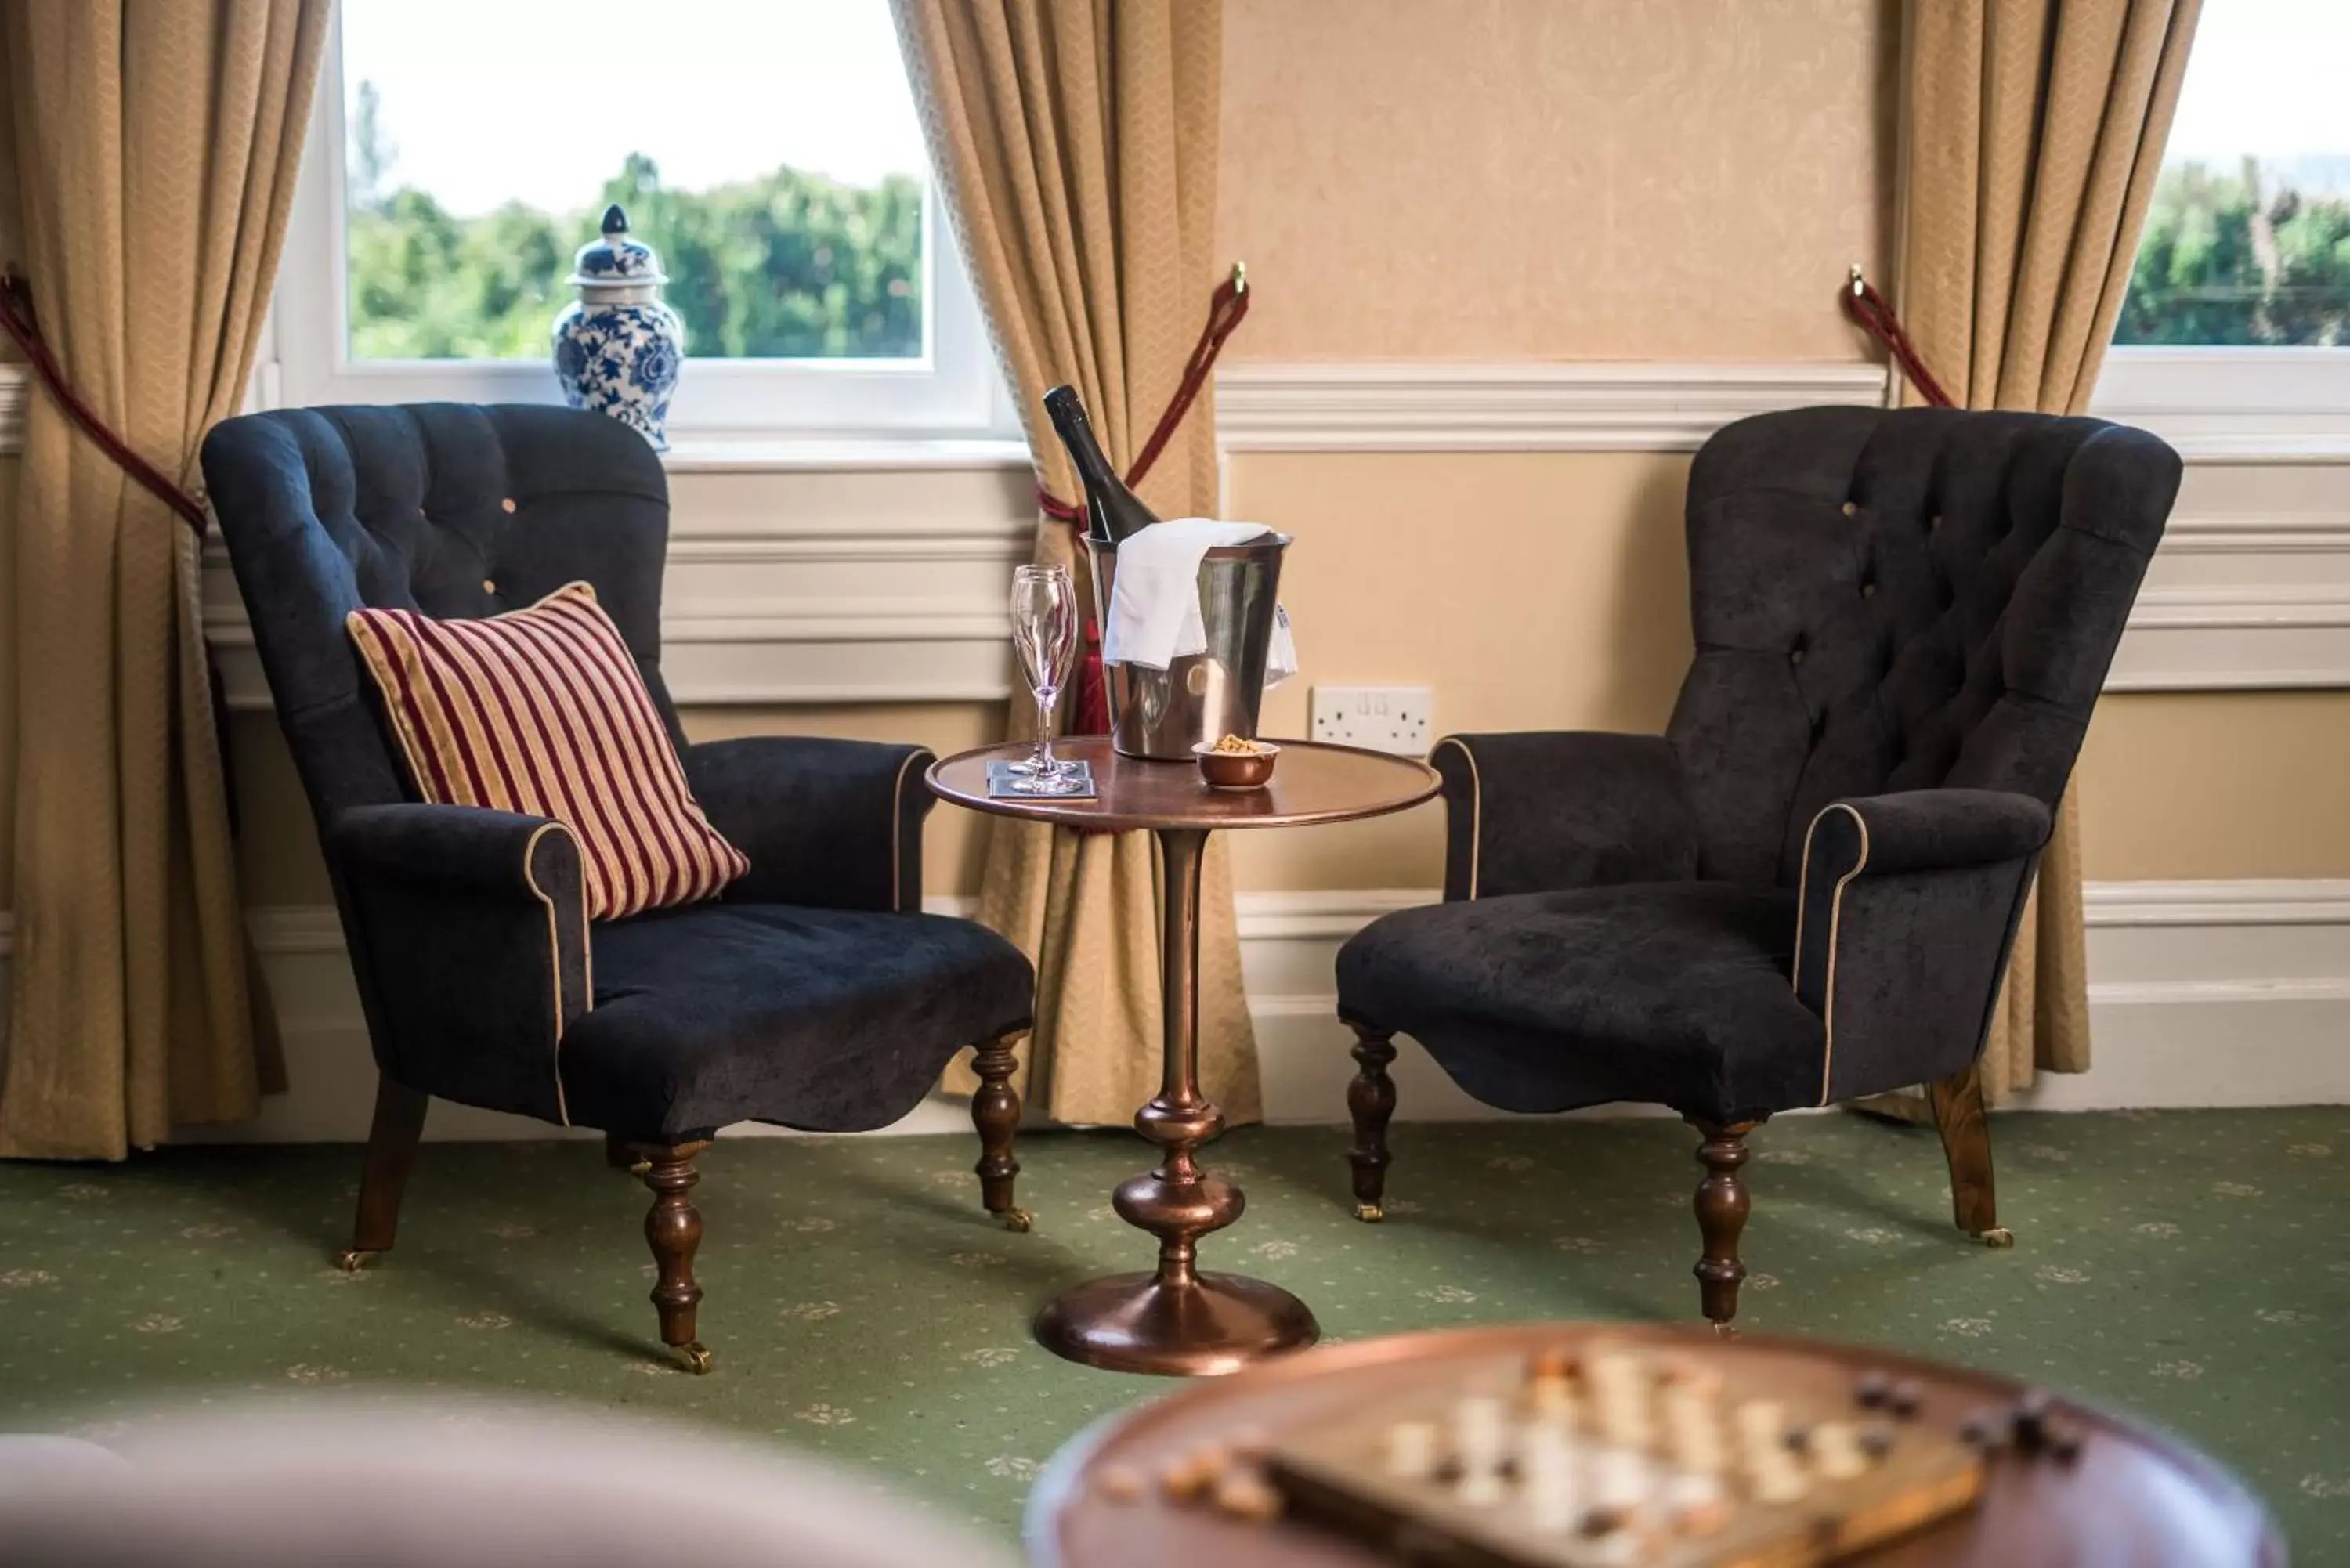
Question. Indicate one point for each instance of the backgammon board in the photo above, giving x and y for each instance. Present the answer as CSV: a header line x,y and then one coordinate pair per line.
x,y
1627,1446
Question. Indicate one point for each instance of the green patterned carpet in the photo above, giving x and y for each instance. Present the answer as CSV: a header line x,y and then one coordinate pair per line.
x,y
2188,1266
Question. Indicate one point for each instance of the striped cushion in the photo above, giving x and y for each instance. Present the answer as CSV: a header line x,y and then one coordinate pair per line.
x,y
542,711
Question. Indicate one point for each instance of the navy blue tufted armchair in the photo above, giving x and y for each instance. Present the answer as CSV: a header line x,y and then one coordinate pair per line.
x,y
815,995
1807,888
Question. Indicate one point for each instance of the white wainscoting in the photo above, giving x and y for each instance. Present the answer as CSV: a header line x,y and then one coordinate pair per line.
x,y
2202,993
808,576
849,572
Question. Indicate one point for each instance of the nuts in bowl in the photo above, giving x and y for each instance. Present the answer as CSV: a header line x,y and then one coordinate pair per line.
x,y
1233,763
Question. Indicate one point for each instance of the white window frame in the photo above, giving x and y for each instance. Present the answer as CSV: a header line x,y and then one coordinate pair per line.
x,y
954,394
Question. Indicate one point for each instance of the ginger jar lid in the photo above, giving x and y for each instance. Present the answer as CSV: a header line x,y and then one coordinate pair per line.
x,y
617,257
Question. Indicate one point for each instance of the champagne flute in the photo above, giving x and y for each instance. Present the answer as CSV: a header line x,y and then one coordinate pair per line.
x,y
1044,635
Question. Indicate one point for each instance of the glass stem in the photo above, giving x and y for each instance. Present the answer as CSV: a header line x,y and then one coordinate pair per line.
x,y
1045,765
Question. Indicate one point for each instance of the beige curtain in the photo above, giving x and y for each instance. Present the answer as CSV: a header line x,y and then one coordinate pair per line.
x,y
156,147
1076,144
2033,132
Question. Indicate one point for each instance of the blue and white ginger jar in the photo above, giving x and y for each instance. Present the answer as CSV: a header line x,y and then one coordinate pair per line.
x,y
618,348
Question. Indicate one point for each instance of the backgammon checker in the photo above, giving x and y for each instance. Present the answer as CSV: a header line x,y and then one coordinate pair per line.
x,y
1625,1446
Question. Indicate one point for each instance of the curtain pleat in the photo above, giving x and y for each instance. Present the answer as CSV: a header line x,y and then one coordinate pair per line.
x,y
157,143
2034,131
1077,143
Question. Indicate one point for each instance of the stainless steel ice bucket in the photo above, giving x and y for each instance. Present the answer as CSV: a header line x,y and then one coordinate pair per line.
x,y
1162,713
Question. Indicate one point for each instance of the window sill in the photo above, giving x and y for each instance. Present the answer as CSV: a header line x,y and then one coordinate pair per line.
x,y
2234,406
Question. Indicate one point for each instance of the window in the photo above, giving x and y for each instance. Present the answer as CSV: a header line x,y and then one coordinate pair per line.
x,y
2247,240
768,149
2233,341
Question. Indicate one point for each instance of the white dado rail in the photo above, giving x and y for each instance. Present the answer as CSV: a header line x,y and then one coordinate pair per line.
x,y
846,574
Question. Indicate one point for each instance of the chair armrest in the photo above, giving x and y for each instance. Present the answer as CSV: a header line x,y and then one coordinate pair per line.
x,y
468,939
830,824
1907,908
1531,812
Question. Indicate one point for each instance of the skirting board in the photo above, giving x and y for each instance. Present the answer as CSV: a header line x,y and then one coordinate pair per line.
x,y
2202,993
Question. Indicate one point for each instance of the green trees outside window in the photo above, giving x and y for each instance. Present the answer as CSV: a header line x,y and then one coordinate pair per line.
x,y
792,265
789,265
2247,259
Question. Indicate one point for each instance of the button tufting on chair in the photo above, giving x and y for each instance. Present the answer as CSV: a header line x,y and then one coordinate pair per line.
x,y
1852,509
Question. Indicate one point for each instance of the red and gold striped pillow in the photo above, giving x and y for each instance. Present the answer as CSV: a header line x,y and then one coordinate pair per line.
x,y
541,711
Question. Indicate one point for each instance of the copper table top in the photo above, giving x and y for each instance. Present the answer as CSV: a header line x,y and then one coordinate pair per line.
x,y
2131,1498
1311,783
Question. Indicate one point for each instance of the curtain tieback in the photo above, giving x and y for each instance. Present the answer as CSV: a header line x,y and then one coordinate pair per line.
x,y
1867,310
16,316
1226,310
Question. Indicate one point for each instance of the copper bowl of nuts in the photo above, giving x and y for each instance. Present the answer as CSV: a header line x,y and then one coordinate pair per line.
x,y
1236,763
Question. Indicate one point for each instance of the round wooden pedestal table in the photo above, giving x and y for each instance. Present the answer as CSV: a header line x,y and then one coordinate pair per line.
x,y
2118,1494
1179,1318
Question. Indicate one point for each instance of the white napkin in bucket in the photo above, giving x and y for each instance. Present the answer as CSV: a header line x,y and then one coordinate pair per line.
x,y
1154,606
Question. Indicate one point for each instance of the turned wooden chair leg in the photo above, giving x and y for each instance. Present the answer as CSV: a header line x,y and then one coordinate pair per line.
x,y
1958,1102
620,1155
995,1112
392,1139
1721,1205
674,1230
1372,1099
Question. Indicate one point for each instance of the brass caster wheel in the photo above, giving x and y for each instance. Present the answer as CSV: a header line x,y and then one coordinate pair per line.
x,y
1018,1220
1369,1213
693,1357
1725,1330
1997,1236
352,1260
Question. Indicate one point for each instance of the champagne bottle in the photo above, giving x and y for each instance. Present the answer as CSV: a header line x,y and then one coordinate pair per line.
x,y
1113,512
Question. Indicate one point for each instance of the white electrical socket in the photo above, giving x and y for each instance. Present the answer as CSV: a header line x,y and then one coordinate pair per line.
x,y
1397,718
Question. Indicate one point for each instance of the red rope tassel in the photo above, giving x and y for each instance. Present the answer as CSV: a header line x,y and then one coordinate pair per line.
x,y
1867,310
1226,310
16,318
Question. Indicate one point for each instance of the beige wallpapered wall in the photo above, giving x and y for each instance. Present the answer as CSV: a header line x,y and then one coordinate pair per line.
x,y
1544,590
1537,590
1554,179
1541,180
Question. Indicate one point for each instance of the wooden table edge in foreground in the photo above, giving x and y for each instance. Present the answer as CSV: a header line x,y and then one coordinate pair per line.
x,y
1099,1499
1179,1318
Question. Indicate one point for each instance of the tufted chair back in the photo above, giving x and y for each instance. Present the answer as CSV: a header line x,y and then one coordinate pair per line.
x,y
449,508
1900,600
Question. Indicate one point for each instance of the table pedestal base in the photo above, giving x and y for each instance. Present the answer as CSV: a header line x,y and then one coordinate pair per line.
x,y
1132,1323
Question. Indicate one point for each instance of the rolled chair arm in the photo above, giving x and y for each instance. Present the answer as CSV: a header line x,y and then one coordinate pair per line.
x,y
472,848
1907,909
469,939
829,823
1535,811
